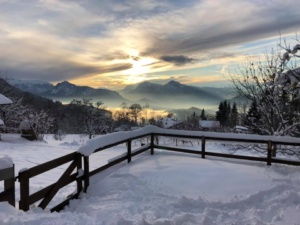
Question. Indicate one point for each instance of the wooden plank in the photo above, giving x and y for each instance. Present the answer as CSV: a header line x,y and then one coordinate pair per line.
x,y
203,147
112,163
120,142
86,178
177,149
66,202
152,144
141,150
129,151
4,197
9,188
24,190
213,138
287,162
51,164
223,155
79,167
57,186
269,153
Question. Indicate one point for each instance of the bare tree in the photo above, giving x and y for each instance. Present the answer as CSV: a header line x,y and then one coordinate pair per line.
x,y
135,110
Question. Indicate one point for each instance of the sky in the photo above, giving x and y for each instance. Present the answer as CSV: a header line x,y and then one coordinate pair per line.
x,y
115,43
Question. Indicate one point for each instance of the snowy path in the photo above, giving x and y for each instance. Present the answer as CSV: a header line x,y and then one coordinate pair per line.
x,y
166,189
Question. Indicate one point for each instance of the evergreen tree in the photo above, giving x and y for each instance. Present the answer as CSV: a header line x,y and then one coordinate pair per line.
x,y
202,116
253,119
234,115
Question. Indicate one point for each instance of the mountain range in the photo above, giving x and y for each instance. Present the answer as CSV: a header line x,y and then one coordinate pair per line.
x,y
172,95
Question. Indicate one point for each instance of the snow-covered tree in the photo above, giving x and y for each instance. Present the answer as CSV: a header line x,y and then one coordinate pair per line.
x,y
12,113
36,124
273,84
269,85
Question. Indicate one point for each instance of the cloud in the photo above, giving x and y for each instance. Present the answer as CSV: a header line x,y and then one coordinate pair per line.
x,y
57,40
177,60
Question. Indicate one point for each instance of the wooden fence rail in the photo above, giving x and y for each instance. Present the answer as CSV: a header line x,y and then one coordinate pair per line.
x,y
270,144
82,175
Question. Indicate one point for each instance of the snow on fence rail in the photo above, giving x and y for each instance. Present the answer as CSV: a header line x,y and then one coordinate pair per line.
x,y
114,139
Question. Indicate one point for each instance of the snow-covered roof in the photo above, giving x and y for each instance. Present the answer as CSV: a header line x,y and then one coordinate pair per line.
x,y
5,163
1,122
4,100
168,122
237,127
209,123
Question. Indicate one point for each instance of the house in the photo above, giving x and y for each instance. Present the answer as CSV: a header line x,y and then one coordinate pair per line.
x,y
3,101
209,125
167,122
122,128
241,129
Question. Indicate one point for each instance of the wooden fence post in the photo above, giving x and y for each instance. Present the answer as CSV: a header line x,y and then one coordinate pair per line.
x,y
24,190
129,151
203,147
152,144
269,153
86,172
79,167
8,175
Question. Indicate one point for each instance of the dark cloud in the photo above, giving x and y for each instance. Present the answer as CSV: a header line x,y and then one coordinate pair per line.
x,y
178,60
60,71
265,22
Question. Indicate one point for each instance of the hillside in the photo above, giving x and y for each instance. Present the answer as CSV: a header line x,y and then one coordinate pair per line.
x,y
175,95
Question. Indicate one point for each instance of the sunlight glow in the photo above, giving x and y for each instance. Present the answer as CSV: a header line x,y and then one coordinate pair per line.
x,y
140,65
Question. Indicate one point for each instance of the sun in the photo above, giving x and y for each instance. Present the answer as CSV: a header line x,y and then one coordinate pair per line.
x,y
140,66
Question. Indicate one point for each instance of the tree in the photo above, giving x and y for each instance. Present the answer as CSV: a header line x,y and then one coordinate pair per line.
x,y
91,118
253,118
202,116
234,115
272,85
223,114
134,111
36,124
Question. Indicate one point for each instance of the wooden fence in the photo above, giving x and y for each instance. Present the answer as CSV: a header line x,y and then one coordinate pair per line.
x,y
8,176
47,193
82,175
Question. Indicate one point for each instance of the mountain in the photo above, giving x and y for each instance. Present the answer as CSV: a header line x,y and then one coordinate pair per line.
x,y
33,86
66,92
176,95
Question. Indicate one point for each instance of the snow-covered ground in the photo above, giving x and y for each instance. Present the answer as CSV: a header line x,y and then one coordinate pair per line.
x,y
164,189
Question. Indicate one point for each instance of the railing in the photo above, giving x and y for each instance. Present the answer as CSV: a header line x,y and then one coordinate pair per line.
x,y
107,141
270,144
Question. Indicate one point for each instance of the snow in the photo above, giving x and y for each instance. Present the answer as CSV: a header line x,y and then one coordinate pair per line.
x,y
4,100
5,163
163,189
